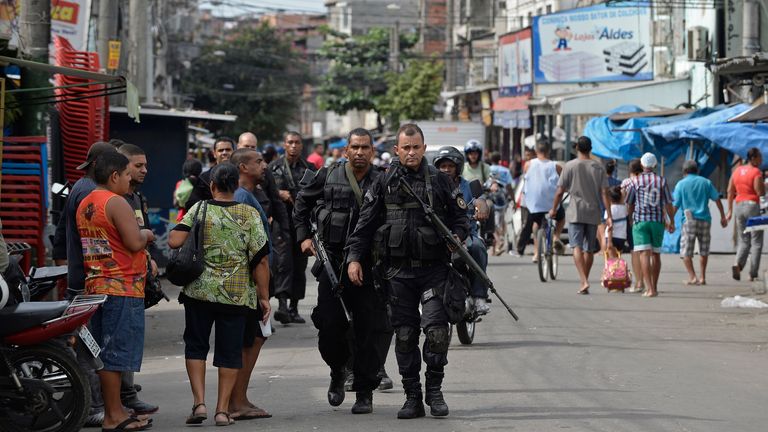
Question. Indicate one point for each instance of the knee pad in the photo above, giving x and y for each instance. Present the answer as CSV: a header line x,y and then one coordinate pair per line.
x,y
406,338
437,339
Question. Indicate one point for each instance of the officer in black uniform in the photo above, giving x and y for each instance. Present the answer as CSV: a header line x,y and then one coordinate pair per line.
x,y
415,260
290,278
332,198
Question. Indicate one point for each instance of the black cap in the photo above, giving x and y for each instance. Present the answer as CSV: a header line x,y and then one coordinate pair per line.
x,y
96,150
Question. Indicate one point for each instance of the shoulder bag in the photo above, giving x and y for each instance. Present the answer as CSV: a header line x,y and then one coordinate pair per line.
x,y
187,263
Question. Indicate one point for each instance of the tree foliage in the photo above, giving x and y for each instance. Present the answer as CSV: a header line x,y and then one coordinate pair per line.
x,y
254,74
413,93
357,77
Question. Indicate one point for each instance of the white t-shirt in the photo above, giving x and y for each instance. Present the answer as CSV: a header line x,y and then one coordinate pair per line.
x,y
619,214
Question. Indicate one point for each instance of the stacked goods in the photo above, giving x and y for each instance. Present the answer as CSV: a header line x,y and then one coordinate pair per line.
x,y
83,121
571,66
627,58
23,198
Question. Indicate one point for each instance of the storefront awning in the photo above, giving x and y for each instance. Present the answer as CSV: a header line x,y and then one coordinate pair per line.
x,y
647,95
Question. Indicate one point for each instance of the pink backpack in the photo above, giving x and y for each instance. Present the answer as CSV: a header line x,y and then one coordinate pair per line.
x,y
616,274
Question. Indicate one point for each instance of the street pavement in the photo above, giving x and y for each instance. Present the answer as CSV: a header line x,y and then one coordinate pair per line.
x,y
602,362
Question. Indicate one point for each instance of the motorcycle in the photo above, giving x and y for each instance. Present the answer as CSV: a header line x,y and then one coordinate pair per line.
x,y
42,387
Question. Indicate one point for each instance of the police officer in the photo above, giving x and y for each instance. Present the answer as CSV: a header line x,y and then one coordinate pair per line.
x,y
334,196
414,260
450,161
291,282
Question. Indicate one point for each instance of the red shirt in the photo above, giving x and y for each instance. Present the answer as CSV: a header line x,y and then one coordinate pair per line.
x,y
744,181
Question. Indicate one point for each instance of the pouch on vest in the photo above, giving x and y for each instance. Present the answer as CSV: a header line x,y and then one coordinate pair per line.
x,y
323,222
337,232
428,245
397,244
380,248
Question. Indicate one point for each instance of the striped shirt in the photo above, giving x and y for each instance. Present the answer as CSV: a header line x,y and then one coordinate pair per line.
x,y
649,194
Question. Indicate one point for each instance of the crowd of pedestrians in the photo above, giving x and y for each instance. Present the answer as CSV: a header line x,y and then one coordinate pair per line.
x,y
258,213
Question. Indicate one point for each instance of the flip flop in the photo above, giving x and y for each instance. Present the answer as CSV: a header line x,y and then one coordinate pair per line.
x,y
228,422
195,419
123,426
253,413
584,291
688,282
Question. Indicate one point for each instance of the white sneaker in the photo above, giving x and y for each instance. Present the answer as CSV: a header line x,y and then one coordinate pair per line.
x,y
481,306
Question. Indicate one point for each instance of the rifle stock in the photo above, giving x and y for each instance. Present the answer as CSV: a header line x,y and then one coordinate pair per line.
x,y
325,259
453,244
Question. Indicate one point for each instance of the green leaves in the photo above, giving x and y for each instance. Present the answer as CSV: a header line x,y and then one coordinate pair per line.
x,y
413,93
254,74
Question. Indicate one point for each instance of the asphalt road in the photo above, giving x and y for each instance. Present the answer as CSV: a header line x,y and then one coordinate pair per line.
x,y
603,362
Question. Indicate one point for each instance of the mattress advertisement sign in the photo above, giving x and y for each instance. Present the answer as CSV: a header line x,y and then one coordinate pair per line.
x,y
599,43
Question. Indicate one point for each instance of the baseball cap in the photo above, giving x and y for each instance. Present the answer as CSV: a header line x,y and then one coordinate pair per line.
x,y
648,160
96,150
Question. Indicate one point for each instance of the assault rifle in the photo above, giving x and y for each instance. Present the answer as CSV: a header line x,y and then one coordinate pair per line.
x,y
453,244
325,259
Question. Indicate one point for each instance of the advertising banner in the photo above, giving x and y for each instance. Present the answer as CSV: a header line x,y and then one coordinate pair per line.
x,y
69,19
598,43
515,64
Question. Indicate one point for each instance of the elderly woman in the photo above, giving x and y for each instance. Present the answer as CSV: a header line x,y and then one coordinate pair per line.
x,y
746,187
235,279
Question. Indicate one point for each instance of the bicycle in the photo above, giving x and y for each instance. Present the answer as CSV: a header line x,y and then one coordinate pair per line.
x,y
548,257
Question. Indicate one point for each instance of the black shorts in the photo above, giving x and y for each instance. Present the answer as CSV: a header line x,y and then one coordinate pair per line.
x,y
200,317
252,327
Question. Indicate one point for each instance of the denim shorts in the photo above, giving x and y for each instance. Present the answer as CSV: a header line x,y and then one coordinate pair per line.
x,y
118,327
584,236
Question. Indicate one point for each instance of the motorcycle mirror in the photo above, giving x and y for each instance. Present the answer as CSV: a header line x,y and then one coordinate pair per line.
x,y
476,188
61,190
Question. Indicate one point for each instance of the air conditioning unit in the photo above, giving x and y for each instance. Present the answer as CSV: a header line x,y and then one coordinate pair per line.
x,y
698,44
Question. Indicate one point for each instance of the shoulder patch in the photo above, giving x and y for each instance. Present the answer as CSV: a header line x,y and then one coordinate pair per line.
x,y
461,203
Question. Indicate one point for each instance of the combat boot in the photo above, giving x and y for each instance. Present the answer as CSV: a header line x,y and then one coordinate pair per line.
x,y
293,313
282,314
413,406
363,402
336,388
432,394
386,382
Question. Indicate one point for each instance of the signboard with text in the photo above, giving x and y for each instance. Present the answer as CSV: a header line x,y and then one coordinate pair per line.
x,y
69,19
515,64
598,43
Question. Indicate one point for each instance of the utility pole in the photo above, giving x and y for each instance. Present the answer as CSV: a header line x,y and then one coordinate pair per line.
x,y
394,48
35,32
450,70
140,56
107,29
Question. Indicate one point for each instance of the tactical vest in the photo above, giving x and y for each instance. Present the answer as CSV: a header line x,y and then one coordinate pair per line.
x,y
406,233
334,213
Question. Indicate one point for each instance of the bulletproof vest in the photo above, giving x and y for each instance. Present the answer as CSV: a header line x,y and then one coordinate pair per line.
x,y
283,175
410,235
339,200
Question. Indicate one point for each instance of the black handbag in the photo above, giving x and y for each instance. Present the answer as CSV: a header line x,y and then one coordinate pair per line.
x,y
187,263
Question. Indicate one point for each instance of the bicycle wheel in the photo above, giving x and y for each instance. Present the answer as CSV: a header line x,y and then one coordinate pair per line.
x,y
553,264
542,244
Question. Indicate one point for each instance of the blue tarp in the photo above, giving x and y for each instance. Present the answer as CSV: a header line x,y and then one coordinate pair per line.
x,y
737,138
625,140
686,129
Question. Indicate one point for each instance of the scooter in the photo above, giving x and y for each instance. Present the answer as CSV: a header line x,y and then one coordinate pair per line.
x,y
42,387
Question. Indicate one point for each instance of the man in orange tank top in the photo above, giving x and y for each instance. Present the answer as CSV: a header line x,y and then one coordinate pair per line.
x,y
115,264
746,187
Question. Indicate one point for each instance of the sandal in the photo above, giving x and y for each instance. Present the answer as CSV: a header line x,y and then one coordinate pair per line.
x,y
124,426
252,413
228,422
195,419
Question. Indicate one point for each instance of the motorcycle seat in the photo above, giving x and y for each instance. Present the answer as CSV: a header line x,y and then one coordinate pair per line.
x,y
51,273
20,317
